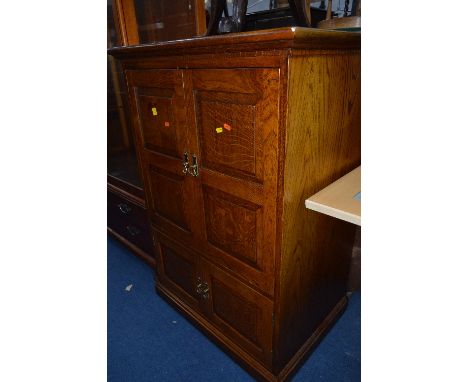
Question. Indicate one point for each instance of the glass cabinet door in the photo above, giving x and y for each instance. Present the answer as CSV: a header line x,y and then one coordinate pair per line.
x,y
121,156
163,20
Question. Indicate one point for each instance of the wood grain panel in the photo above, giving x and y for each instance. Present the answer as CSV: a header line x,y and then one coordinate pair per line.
x,y
244,81
167,196
239,311
158,124
229,140
177,268
254,59
322,144
235,310
231,224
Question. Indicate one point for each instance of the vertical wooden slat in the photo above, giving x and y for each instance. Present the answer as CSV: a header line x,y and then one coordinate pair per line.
x,y
200,17
126,21
329,10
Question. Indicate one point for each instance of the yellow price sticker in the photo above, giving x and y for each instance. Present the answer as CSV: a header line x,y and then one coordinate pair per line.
x,y
154,110
219,130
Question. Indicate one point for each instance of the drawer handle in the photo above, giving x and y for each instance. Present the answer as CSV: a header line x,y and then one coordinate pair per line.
x,y
124,208
203,289
132,230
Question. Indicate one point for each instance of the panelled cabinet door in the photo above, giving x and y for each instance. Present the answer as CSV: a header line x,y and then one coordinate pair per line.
x,y
242,314
235,125
177,269
160,122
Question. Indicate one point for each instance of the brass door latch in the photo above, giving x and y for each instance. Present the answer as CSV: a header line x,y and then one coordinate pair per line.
x,y
185,164
194,167
203,289
187,168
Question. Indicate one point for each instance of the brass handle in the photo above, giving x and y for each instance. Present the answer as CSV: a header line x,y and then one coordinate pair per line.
x,y
203,289
132,230
124,208
193,170
185,164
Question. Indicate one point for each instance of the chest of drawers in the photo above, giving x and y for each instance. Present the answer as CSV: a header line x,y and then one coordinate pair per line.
x,y
233,134
127,221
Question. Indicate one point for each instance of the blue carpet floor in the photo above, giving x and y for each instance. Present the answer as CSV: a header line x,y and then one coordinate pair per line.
x,y
148,340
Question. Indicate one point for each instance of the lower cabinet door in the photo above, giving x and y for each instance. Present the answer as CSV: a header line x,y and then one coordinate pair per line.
x,y
177,269
241,313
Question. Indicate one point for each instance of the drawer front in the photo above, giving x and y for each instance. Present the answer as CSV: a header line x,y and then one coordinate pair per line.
x,y
236,116
242,314
129,220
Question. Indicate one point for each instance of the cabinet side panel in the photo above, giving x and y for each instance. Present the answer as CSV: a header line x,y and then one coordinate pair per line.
x,y
322,144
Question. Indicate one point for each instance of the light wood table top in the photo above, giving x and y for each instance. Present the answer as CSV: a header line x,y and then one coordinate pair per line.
x,y
341,199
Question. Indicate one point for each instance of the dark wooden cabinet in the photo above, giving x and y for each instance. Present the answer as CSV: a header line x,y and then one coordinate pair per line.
x,y
233,134
127,220
126,207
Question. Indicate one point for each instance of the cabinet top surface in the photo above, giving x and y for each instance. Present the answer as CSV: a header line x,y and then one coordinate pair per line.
x,y
269,39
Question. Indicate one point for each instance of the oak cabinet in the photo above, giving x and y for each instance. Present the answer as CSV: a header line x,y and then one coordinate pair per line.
x,y
234,133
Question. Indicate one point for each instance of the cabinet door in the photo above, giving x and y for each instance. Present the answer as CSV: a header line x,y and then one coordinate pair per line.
x,y
159,113
177,269
241,313
235,121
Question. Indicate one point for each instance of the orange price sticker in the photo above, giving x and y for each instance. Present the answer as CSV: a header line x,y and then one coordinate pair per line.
x,y
166,124
227,127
